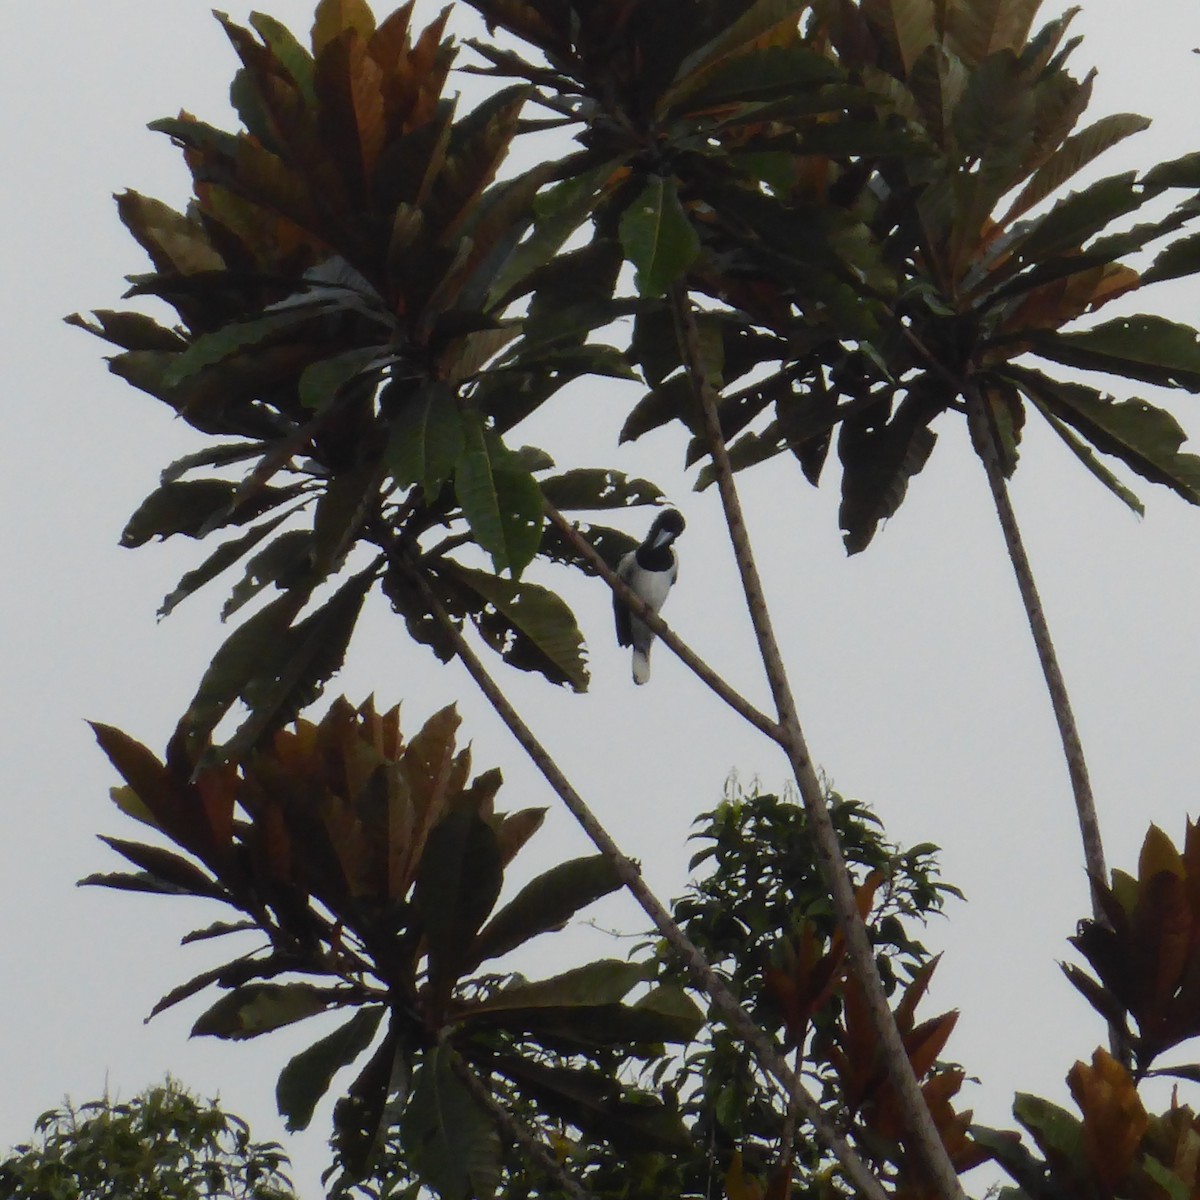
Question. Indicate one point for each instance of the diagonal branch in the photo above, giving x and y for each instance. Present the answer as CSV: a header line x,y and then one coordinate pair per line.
x,y
736,1017
925,1140
513,1128
645,613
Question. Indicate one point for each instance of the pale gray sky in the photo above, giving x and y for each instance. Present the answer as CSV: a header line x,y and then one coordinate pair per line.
x,y
915,673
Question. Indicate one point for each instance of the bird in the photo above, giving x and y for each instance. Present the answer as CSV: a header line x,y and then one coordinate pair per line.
x,y
649,571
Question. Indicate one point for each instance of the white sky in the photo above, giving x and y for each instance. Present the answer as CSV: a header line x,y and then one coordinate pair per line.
x,y
913,667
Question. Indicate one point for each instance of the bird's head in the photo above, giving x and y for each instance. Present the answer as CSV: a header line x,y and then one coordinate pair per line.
x,y
668,525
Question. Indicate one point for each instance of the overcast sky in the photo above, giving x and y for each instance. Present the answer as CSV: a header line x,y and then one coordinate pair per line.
x,y
913,667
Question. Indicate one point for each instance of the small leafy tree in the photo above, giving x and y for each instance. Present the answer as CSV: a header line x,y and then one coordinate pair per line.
x,y
845,221
164,1144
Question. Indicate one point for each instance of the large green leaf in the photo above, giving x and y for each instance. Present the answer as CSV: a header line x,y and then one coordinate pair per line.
x,y
597,488
531,627
657,237
1180,258
177,873
604,982
308,1076
877,465
282,562
558,212
223,557
544,904
500,499
742,36
448,1140
182,507
257,1008
906,26
1148,348
1083,452
1145,438
359,1117
324,380
245,652
427,438
294,671
212,348
1072,156
1058,1134
458,881
594,1102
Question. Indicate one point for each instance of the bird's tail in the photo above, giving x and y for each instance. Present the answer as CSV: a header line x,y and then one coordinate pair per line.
x,y
641,665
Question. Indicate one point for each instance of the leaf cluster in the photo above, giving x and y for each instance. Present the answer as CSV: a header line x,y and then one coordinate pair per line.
x,y
372,867
163,1144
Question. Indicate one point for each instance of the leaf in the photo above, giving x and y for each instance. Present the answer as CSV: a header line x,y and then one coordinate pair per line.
x,y
294,58
359,1116
323,381
209,349
292,673
283,562
1083,452
748,32
976,29
223,557
500,500
334,17
257,1008
427,438
530,626
907,26
1058,1134
877,465
1180,258
596,488
244,653
657,237
449,1142
458,881
1145,438
170,869
544,904
590,1100
185,507
1071,157
308,1076
558,212
603,982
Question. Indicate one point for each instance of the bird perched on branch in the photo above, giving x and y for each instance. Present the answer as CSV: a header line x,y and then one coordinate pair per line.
x,y
649,571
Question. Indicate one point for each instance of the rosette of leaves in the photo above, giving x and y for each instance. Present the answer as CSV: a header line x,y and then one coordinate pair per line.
x,y
875,198
984,261
691,117
369,869
1146,956
343,281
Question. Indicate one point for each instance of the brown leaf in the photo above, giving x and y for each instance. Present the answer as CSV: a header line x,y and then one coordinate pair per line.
x,y
1114,1120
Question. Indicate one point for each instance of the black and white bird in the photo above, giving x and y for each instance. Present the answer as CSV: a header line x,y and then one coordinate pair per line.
x,y
650,571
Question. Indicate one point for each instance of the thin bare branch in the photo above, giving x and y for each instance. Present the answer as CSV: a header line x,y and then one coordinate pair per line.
x,y
984,437
738,1020
673,641
925,1140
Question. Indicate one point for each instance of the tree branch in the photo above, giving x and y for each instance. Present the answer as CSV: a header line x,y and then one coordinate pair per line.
x,y
763,1046
646,614
926,1141
517,1131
